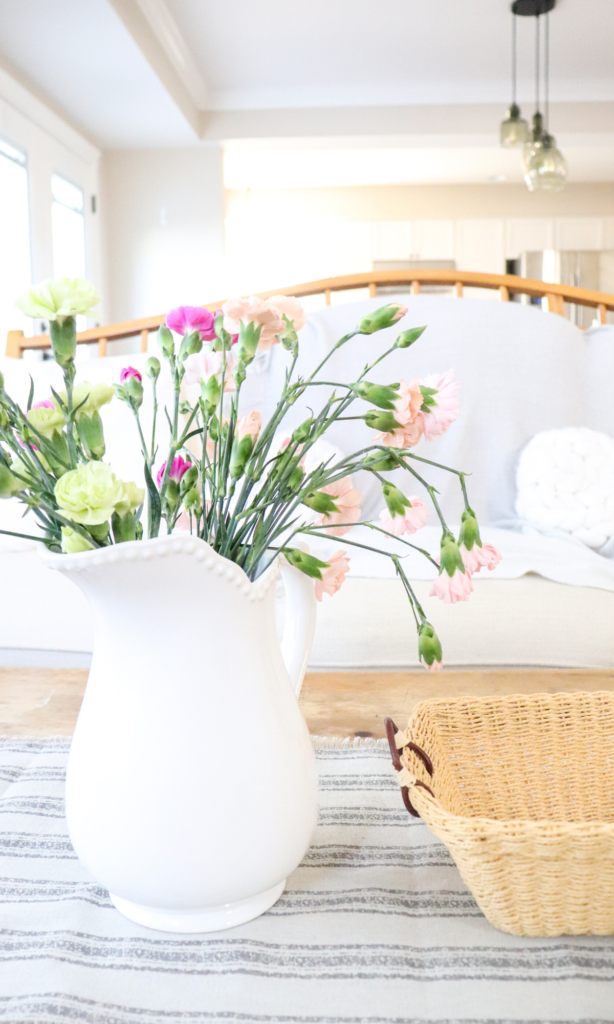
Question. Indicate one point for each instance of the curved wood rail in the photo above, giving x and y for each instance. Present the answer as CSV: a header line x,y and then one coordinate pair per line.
x,y
554,296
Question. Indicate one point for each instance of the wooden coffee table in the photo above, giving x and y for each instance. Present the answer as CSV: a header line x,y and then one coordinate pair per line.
x,y
46,702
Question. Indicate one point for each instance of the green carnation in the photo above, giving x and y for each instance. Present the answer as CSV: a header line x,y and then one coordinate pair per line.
x,y
46,420
133,498
55,300
73,542
90,493
93,397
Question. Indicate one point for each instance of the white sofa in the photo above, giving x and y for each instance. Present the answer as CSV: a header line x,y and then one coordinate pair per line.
x,y
550,602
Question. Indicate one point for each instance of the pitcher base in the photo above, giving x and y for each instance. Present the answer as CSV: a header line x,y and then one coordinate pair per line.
x,y
211,919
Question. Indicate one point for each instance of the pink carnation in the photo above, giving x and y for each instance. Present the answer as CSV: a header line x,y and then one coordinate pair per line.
x,y
203,365
333,576
438,417
178,468
473,560
413,518
347,499
187,319
451,589
253,310
45,404
129,371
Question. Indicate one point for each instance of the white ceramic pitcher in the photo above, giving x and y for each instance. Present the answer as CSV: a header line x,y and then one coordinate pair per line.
x,y
191,790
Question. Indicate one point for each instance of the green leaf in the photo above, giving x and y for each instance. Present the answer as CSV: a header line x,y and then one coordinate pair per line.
x,y
155,505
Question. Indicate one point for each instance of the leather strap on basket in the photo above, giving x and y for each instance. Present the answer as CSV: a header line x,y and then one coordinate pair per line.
x,y
392,733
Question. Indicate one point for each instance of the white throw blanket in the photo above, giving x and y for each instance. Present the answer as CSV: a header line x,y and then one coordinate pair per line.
x,y
565,482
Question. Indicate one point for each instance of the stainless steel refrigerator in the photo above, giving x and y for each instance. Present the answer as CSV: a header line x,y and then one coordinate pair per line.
x,y
583,269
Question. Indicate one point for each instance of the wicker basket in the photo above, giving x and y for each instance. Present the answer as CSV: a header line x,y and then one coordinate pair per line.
x,y
521,791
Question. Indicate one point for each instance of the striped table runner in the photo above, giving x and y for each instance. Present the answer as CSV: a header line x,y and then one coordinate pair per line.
x,y
375,926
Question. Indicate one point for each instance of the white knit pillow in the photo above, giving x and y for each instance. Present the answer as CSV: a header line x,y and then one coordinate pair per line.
x,y
565,481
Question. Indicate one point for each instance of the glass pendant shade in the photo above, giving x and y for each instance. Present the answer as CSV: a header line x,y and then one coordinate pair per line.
x,y
514,130
544,166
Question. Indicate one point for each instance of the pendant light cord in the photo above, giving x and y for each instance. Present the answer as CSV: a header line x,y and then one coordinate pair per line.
x,y
537,63
513,59
546,74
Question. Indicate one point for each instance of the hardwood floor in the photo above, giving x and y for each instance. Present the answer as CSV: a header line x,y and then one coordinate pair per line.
x,y
46,702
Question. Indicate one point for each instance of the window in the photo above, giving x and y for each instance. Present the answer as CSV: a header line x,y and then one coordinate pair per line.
x,y
15,233
68,229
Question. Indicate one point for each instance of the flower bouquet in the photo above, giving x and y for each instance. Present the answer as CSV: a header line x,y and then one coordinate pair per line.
x,y
227,478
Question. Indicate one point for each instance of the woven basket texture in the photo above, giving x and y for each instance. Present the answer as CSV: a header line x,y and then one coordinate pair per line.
x,y
524,801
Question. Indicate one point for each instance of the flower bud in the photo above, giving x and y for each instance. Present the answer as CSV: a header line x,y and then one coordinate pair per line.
x,y
152,368
395,500
306,563
289,338
98,530
384,421
91,434
382,395
451,558
166,341
172,494
320,502
191,345
239,373
9,484
63,340
381,318
241,450
407,338
249,336
192,501
429,647
124,527
134,389
469,532
382,463
184,408
73,542
211,391
189,479
302,432
296,478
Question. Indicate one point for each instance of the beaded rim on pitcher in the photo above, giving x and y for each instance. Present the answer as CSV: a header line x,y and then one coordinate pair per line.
x,y
160,547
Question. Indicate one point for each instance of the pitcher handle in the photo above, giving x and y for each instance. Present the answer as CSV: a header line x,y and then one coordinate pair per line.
x,y
300,624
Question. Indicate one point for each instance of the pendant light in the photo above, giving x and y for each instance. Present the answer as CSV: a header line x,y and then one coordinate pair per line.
x,y
514,130
543,165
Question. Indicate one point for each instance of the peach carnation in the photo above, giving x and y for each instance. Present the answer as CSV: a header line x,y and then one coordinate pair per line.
x,y
347,499
451,589
258,311
249,426
474,560
333,577
413,518
289,306
446,407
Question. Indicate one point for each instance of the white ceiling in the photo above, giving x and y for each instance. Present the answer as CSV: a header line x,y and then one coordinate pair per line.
x,y
400,91
294,53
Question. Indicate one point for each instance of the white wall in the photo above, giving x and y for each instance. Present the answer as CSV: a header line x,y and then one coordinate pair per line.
x,y
51,146
163,214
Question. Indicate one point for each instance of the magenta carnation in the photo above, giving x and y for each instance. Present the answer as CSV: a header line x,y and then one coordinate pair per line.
x,y
186,319
45,404
129,371
179,467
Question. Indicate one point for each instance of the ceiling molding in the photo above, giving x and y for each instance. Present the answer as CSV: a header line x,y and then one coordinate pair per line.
x,y
469,123
157,56
168,34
